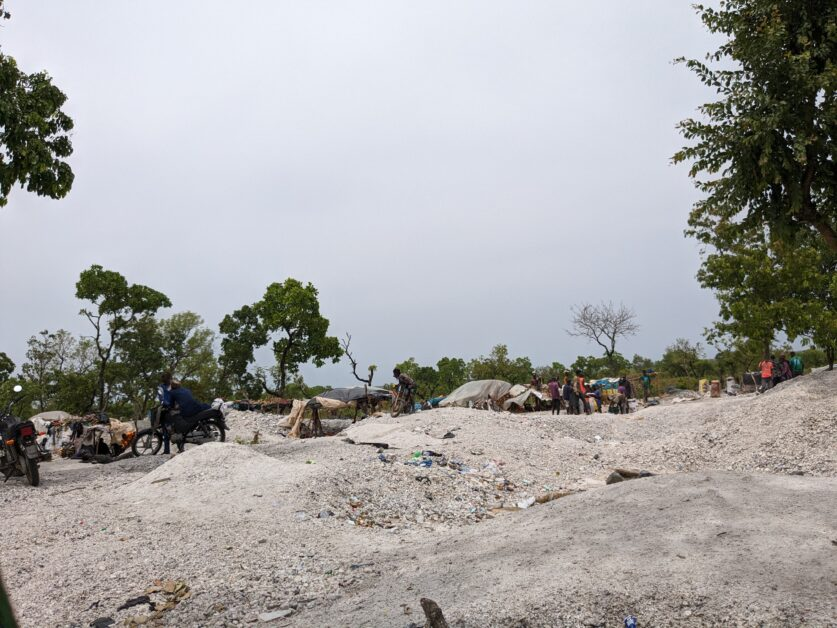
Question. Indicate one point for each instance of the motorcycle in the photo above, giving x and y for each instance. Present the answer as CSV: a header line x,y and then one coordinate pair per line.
x,y
20,452
207,427
402,401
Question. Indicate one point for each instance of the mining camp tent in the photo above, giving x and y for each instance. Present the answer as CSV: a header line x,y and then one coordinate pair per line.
x,y
477,392
43,419
356,393
519,401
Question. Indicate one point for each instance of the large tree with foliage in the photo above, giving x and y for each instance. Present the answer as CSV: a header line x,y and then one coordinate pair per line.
x,y
766,285
605,366
288,318
186,345
498,365
7,367
139,362
116,308
765,153
34,132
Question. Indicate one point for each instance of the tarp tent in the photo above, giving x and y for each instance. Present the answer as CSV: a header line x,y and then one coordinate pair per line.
x,y
520,400
52,415
477,392
356,393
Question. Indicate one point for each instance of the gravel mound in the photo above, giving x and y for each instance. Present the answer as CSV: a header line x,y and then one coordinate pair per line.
x,y
698,549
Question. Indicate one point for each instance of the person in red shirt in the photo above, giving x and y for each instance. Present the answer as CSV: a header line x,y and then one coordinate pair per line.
x,y
766,367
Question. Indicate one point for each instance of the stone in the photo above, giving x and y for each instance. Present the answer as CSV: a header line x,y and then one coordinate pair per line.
x,y
613,478
274,615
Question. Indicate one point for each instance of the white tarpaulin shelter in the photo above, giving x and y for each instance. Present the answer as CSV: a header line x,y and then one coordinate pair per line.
x,y
43,419
521,399
476,392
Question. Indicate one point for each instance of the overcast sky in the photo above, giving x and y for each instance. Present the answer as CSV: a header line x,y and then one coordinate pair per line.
x,y
449,175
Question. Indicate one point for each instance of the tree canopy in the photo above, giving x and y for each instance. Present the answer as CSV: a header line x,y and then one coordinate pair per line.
x,y
765,153
288,317
117,306
7,367
34,132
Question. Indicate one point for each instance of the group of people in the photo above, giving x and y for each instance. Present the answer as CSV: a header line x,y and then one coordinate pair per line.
x,y
577,396
774,371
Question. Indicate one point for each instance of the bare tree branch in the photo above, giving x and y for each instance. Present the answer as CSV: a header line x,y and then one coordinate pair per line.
x,y
345,344
603,324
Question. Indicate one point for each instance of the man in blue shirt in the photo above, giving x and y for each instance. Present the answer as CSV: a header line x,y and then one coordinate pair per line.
x,y
183,399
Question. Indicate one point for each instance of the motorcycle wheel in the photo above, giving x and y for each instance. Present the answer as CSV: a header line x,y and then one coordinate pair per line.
x,y
147,443
211,431
397,407
32,474
216,432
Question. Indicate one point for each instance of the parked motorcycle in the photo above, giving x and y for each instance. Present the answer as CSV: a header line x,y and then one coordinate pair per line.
x,y
206,427
20,453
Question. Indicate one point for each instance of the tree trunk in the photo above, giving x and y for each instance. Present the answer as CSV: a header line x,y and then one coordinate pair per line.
x,y
101,385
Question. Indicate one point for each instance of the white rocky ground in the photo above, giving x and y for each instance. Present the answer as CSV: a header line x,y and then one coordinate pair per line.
x,y
322,532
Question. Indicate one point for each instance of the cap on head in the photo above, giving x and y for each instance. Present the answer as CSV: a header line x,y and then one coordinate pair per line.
x,y
396,372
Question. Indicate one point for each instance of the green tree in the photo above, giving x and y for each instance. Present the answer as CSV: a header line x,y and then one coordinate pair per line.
x,y
116,308
7,367
139,362
498,365
425,377
737,355
640,363
186,345
452,373
34,132
767,284
605,366
288,317
50,357
684,359
765,152
556,370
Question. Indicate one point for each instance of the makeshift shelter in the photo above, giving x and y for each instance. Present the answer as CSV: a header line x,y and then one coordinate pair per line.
x,y
518,402
113,437
52,415
480,393
357,393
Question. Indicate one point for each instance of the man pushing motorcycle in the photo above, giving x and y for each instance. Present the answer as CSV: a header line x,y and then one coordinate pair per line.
x,y
177,398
